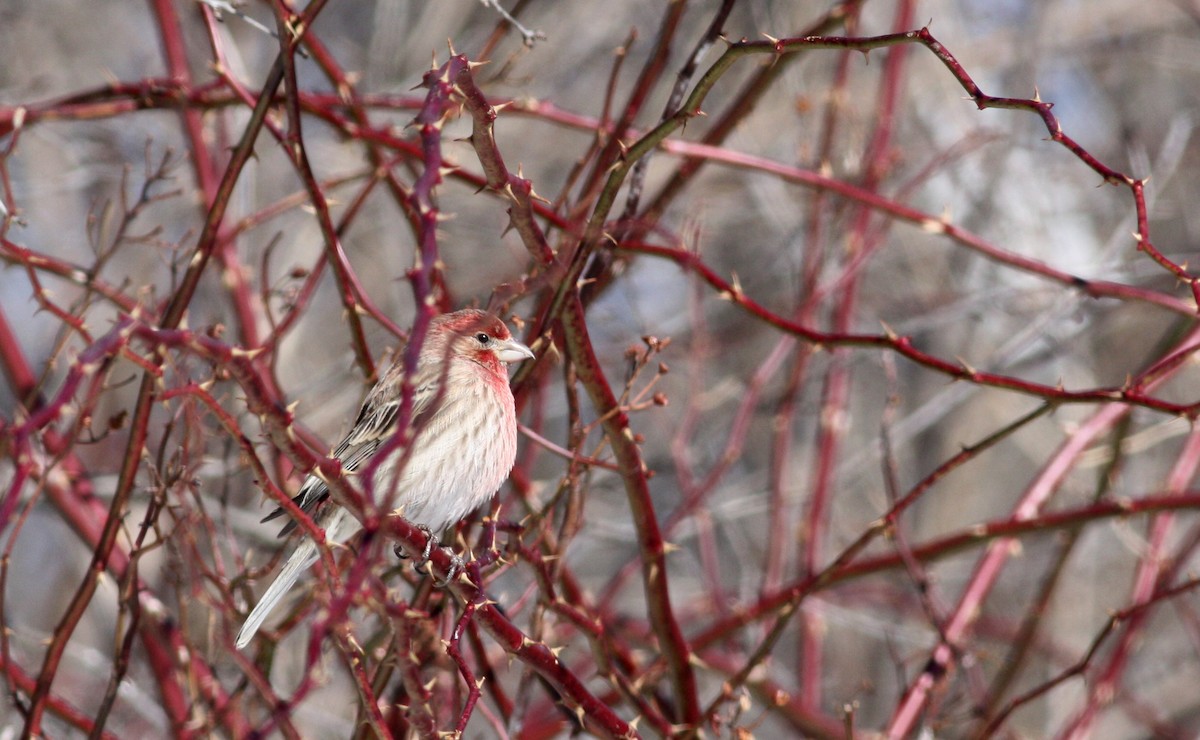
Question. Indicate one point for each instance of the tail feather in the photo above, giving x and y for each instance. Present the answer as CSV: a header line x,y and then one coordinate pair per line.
x,y
303,557
339,528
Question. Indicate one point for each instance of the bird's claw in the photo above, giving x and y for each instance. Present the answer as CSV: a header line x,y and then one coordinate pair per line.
x,y
432,541
456,567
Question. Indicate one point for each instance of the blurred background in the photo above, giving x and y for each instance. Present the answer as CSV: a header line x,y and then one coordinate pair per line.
x,y
771,456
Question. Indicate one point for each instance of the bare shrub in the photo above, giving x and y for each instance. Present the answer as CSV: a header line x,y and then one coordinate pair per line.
x,y
862,404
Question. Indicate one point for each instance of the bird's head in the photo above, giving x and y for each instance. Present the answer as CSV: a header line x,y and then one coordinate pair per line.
x,y
478,336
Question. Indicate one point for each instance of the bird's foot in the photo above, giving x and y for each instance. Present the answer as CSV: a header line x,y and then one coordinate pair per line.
x,y
456,567
433,541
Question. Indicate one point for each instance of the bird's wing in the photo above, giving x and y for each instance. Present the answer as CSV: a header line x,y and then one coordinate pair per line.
x,y
376,422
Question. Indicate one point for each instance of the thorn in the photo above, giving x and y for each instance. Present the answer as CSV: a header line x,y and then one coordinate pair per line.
x,y
737,287
249,354
934,226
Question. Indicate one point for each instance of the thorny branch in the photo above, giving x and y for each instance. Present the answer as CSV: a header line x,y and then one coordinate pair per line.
x,y
547,588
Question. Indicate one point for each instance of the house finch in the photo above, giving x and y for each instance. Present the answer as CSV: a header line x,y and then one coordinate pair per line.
x,y
464,445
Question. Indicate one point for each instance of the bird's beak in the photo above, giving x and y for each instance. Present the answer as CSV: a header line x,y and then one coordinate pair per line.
x,y
510,350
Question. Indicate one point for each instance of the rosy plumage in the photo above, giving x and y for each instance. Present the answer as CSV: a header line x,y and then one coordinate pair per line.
x,y
465,444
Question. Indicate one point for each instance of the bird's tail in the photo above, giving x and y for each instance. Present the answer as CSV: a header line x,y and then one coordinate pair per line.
x,y
303,557
339,527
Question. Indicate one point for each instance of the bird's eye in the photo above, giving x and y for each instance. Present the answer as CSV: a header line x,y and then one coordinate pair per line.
x,y
482,338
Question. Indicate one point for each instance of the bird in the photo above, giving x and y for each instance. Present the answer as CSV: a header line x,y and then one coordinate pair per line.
x,y
464,444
